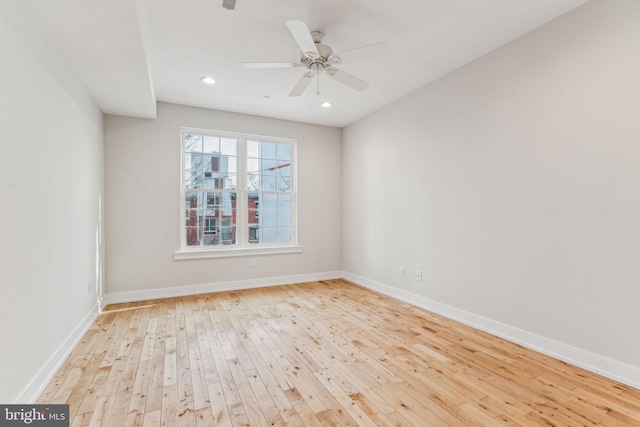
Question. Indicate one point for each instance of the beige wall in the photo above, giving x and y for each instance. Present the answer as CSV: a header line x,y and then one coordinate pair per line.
x,y
142,173
514,185
50,188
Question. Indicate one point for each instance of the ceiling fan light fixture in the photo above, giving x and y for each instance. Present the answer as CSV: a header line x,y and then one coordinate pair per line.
x,y
326,104
208,80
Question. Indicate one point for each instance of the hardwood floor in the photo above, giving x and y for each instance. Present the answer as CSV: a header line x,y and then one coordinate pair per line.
x,y
323,353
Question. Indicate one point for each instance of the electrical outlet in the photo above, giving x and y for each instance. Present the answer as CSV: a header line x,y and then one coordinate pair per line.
x,y
252,262
401,271
89,287
419,275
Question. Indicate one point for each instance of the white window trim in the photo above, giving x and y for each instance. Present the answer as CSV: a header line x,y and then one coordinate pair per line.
x,y
242,246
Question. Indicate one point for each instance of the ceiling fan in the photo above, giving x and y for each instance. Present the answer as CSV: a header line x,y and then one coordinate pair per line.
x,y
318,57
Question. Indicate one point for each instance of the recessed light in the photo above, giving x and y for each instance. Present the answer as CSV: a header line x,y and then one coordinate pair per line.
x,y
208,80
326,104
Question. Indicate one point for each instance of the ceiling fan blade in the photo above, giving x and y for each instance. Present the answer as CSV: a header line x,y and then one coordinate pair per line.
x,y
347,79
270,65
302,84
301,34
364,52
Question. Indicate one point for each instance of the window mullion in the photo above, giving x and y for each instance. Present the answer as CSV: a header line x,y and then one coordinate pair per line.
x,y
241,194
202,208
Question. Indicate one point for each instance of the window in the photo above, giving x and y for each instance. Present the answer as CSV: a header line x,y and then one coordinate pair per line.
x,y
210,226
270,189
238,193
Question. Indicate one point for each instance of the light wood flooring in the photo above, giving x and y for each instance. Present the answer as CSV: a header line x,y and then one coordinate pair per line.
x,y
322,353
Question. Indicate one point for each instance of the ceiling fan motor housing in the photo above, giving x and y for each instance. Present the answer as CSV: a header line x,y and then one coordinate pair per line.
x,y
322,60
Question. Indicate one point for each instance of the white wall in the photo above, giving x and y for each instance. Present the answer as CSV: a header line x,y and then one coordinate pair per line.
x,y
50,185
514,185
142,184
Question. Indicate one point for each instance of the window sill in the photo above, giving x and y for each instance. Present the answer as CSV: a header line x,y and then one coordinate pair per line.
x,y
234,252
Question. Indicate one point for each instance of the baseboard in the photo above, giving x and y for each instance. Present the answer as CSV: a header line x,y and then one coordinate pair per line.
x,y
179,291
606,367
49,369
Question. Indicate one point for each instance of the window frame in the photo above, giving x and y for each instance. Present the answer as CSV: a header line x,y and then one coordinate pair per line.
x,y
243,246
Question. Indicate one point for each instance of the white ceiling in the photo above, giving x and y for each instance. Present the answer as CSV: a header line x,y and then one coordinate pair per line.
x,y
131,53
